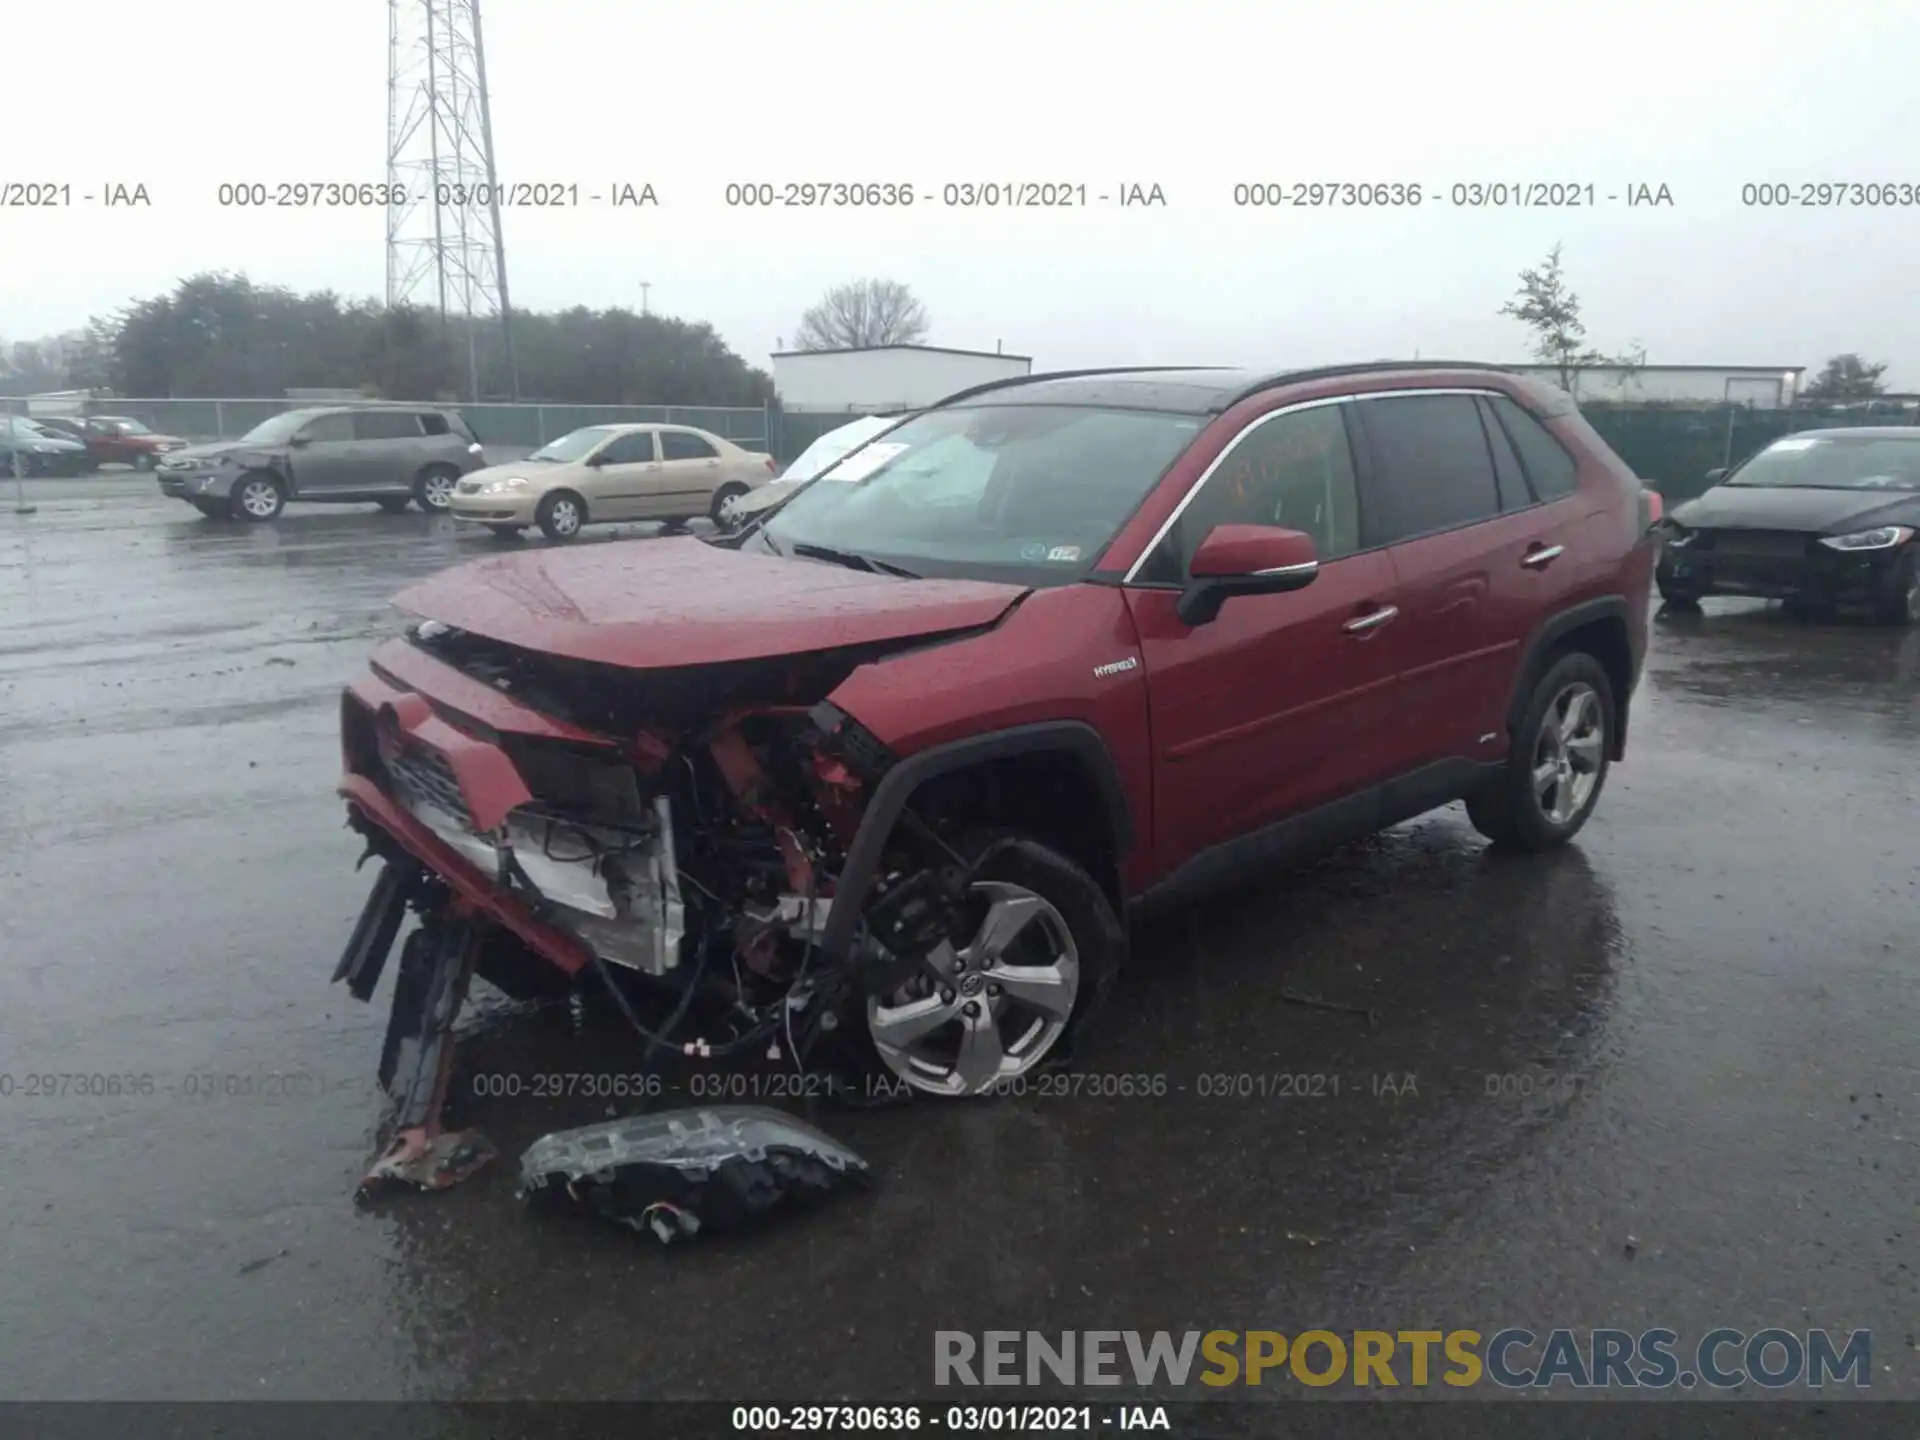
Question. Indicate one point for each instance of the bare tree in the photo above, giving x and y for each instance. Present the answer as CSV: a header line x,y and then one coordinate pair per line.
x,y
863,313
1546,306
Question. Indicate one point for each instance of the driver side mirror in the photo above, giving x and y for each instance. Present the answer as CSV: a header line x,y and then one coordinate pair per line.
x,y
1714,477
299,440
596,460
1245,560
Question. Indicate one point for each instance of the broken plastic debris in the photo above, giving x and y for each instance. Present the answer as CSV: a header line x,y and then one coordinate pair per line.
x,y
678,1172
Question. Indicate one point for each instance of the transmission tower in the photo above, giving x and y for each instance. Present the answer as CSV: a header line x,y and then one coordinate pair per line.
x,y
444,244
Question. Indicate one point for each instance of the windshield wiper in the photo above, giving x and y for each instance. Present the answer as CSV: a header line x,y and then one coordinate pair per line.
x,y
852,560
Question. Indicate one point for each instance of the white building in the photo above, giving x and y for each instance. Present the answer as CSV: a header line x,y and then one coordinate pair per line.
x,y
885,377
1765,387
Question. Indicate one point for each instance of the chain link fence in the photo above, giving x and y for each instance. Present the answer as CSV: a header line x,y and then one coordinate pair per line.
x,y
510,426
1673,448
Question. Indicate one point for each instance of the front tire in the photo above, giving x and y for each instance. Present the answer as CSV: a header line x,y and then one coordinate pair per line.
x,y
1037,947
433,488
1558,765
561,514
723,497
258,497
1899,603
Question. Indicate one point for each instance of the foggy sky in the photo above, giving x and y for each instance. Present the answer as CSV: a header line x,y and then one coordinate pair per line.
x,y
1195,97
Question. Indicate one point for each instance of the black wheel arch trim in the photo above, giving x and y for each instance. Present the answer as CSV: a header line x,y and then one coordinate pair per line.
x,y
1556,628
903,778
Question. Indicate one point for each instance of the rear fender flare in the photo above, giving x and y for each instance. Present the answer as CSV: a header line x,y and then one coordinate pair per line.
x,y
1552,631
901,781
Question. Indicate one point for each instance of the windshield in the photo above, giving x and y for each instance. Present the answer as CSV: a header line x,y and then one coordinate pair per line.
x,y
576,445
1028,493
277,429
1835,462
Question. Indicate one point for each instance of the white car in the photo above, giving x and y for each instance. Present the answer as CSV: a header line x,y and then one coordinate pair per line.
x,y
822,455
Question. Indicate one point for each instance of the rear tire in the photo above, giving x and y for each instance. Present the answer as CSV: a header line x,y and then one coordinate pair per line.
x,y
1558,764
732,490
561,514
258,496
433,488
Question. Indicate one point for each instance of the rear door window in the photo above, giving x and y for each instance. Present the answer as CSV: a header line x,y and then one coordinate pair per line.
x,y
325,429
434,423
1431,467
680,445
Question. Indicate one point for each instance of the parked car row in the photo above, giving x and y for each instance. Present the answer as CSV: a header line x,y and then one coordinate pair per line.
x,y
114,439
396,455
29,448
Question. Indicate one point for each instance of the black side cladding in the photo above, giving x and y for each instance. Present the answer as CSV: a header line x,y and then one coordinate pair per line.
x,y
679,1172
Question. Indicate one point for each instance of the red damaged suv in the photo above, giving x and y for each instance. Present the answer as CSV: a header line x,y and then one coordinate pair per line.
x,y
891,769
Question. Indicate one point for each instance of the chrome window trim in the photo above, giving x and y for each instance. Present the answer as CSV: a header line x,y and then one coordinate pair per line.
x,y
1160,535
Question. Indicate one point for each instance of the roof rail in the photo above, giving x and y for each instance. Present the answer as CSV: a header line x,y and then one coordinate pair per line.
x,y
1009,380
1331,372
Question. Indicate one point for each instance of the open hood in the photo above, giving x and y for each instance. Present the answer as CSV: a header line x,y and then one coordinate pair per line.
x,y
653,604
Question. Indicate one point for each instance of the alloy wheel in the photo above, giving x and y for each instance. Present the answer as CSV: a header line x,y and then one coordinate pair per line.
x,y
1568,752
565,516
437,490
993,1008
260,499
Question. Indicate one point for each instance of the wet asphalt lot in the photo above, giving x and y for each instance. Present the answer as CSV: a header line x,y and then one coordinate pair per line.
x,y
1667,1077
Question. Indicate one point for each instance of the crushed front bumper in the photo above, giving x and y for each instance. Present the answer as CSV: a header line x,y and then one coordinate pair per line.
x,y
1795,567
432,778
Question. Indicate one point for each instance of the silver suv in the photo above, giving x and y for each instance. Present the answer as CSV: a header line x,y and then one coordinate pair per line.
x,y
391,454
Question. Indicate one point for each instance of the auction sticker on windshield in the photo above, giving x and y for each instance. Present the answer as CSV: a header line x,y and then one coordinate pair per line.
x,y
864,461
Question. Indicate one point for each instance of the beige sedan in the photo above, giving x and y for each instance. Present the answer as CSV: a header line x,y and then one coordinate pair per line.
x,y
608,473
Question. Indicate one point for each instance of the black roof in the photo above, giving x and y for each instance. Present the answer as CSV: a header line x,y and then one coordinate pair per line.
x,y
1185,390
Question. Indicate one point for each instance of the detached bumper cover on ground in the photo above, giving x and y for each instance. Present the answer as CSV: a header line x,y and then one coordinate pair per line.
x,y
679,1172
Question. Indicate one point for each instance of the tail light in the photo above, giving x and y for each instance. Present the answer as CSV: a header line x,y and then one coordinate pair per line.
x,y
475,451
1652,509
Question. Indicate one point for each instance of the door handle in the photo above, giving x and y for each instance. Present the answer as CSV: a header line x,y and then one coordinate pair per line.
x,y
1372,620
1539,559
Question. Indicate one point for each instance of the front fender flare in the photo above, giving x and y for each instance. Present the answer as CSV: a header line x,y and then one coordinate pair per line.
x,y
897,787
